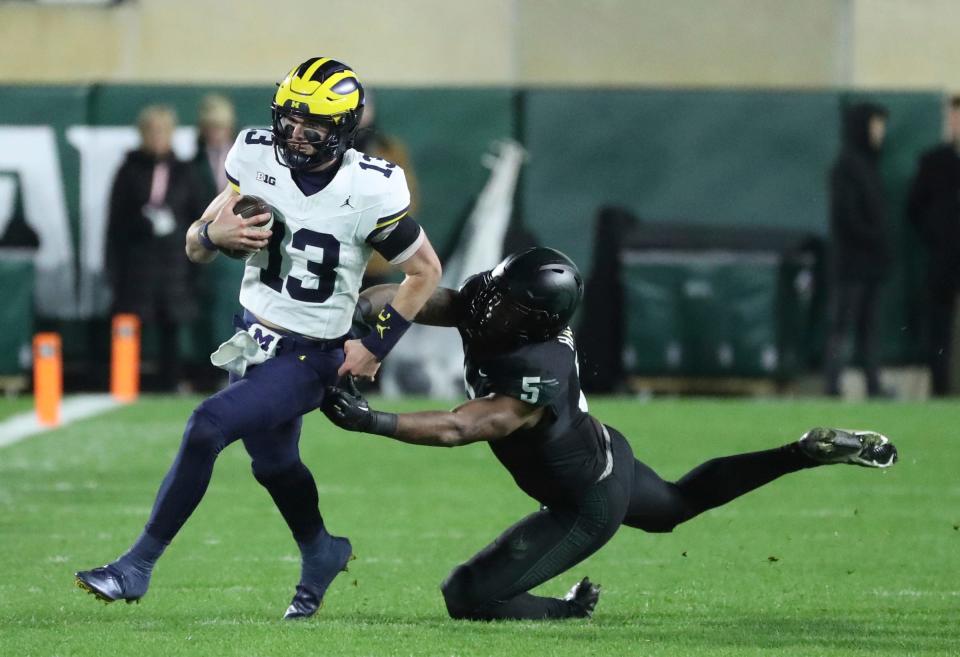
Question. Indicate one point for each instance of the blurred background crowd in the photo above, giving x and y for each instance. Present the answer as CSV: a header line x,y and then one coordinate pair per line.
x,y
764,196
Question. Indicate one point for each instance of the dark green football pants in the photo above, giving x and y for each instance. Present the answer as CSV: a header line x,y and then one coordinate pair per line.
x,y
494,584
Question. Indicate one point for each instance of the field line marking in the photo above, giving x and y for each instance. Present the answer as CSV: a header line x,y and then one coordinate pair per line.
x,y
76,407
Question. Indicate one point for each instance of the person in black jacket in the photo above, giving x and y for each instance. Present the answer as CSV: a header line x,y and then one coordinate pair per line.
x,y
154,199
861,256
934,209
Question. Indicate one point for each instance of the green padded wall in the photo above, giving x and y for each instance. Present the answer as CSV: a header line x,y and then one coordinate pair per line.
x,y
713,314
723,157
737,158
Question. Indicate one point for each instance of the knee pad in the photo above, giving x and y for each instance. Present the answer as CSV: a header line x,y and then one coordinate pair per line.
x,y
202,434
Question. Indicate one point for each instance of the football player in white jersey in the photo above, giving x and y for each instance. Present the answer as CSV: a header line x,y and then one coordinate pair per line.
x,y
332,206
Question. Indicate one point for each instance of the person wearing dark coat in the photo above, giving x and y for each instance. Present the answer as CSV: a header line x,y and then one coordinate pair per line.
x,y
154,199
860,248
933,207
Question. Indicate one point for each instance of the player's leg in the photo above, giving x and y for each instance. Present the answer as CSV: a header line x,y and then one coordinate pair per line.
x,y
659,506
494,584
271,394
277,466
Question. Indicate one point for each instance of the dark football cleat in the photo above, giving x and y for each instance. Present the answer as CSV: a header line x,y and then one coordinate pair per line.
x,y
583,597
306,602
104,583
309,596
866,448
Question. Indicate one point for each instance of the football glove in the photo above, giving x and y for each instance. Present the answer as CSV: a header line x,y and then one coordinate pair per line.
x,y
347,409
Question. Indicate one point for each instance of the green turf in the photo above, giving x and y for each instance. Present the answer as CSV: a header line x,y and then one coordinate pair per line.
x,y
13,405
835,561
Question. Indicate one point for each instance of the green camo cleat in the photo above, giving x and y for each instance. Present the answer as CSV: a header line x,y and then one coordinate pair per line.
x,y
867,448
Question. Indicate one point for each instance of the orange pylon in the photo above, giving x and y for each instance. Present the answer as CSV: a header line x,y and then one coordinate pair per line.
x,y
47,377
125,358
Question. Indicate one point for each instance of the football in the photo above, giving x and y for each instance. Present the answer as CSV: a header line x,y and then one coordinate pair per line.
x,y
246,207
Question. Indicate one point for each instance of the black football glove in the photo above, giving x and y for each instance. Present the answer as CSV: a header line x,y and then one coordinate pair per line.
x,y
347,409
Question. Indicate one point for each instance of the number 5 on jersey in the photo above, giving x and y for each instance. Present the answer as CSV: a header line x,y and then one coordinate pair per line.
x,y
530,393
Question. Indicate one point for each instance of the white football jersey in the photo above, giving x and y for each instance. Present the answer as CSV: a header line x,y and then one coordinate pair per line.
x,y
308,279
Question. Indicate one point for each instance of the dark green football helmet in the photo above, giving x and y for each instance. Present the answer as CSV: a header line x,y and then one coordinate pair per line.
x,y
529,297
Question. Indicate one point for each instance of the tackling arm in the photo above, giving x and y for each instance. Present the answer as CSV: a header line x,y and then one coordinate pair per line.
x,y
478,420
439,310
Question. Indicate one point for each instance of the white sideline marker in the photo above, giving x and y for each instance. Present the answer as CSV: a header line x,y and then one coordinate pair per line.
x,y
76,407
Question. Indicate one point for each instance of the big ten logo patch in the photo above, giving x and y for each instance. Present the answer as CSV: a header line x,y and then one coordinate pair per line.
x,y
262,177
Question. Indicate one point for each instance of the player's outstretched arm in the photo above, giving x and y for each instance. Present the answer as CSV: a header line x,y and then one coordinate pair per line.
x,y
220,228
439,310
487,419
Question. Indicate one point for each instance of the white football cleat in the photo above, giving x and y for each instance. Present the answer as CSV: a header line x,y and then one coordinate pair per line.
x,y
583,597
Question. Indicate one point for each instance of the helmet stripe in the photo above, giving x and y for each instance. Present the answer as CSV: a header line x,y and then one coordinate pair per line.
x,y
308,72
302,70
328,68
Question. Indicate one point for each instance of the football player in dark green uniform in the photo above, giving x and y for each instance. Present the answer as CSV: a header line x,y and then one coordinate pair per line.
x,y
525,400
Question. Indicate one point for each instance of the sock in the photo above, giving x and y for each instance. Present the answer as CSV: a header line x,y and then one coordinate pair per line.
x,y
723,479
137,564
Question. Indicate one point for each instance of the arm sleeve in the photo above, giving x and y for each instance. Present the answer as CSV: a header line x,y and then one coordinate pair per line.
x,y
397,240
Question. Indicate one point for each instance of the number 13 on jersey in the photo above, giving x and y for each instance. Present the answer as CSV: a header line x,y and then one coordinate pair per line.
x,y
325,269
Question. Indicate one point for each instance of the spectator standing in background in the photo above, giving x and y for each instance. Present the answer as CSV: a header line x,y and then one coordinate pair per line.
x,y
860,249
154,200
216,131
934,209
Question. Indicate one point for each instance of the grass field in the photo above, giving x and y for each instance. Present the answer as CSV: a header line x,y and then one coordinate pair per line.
x,y
835,561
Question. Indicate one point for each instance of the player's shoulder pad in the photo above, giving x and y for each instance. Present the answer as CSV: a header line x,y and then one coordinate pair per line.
x,y
253,147
253,143
532,373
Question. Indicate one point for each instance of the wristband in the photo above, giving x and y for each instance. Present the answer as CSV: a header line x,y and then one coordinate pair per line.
x,y
383,424
204,238
387,331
